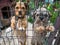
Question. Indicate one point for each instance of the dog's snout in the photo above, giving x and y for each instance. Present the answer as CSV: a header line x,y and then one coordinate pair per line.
x,y
45,15
41,17
20,12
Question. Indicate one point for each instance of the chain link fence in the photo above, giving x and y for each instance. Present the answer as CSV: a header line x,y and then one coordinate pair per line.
x,y
7,38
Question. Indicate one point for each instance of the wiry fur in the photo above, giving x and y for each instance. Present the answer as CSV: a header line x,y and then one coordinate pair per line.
x,y
41,26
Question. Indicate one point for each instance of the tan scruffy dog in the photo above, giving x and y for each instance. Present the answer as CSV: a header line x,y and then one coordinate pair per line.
x,y
19,22
41,26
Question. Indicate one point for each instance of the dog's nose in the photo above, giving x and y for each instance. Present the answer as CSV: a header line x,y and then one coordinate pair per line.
x,y
41,18
20,12
45,15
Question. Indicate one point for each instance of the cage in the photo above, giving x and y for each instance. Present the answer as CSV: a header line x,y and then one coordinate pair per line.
x,y
6,35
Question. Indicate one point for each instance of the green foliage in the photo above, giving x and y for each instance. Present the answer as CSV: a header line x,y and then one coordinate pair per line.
x,y
40,4
54,16
57,4
50,8
17,0
30,19
24,0
31,5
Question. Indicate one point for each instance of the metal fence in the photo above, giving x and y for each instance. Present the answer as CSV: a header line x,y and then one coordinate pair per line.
x,y
7,38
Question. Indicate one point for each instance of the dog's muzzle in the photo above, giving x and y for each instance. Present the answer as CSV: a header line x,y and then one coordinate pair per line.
x,y
21,28
20,13
42,16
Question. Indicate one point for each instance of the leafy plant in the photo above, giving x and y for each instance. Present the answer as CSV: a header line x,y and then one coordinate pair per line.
x,y
17,0
40,4
54,16
30,19
57,4
31,5
52,12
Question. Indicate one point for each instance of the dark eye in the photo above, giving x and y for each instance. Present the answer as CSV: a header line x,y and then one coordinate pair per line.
x,y
37,15
23,8
46,15
17,7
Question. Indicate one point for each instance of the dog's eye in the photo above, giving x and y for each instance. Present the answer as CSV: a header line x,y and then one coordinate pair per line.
x,y
37,15
46,15
17,7
23,8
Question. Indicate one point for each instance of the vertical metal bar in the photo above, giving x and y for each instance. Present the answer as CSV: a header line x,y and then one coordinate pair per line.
x,y
0,28
4,40
13,39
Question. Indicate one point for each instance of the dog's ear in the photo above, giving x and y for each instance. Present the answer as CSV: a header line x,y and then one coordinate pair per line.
x,y
26,5
14,4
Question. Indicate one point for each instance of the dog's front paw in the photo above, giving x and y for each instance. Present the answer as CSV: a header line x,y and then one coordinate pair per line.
x,y
40,28
50,28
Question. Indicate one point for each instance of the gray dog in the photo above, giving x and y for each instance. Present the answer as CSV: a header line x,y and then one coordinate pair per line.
x,y
41,26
